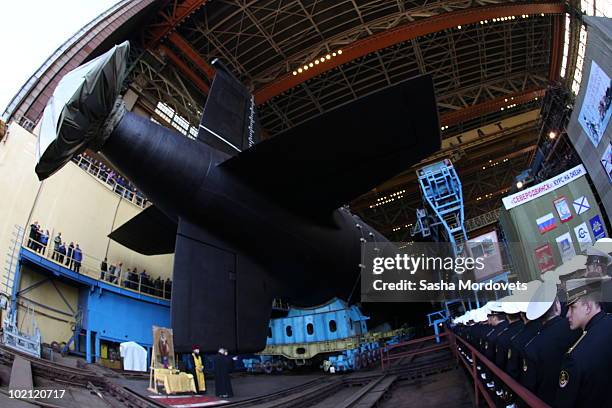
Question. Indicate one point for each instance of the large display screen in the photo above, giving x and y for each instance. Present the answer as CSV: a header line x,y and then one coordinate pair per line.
x,y
486,246
596,108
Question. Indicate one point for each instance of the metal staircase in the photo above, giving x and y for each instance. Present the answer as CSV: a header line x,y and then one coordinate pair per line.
x,y
12,258
443,202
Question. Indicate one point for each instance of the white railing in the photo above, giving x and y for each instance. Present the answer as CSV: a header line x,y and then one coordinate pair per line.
x,y
109,178
92,267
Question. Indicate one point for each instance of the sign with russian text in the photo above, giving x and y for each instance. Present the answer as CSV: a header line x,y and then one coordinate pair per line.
x,y
533,192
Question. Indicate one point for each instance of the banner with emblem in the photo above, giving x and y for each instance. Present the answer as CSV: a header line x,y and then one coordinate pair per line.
x,y
544,258
565,214
581,205
597,227
566,246
583,236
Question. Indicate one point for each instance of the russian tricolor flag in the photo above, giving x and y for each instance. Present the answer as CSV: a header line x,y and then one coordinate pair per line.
x,y
546,223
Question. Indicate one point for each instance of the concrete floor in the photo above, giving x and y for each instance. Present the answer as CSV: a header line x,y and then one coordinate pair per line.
x,y
444,390
245,386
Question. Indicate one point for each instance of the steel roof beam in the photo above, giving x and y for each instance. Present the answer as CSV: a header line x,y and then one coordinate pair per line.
x,y
192,54
170,19
185,69
403,33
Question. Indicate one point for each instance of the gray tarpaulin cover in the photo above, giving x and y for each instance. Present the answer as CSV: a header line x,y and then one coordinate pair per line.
x,y
75,114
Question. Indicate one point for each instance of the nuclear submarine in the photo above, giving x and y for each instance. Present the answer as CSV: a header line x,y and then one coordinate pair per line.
x,y
248,219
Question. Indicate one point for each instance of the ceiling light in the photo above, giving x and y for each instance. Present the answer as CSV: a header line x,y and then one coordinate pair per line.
x,y
552,134
328,56
339,52
519,184
300,70
333,54
294,72
311,65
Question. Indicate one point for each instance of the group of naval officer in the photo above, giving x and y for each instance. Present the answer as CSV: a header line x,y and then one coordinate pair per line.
x,y
554,338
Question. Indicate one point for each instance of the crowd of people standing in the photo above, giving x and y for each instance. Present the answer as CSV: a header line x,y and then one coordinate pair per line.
x,y
69,255
121,185
132,279
553,337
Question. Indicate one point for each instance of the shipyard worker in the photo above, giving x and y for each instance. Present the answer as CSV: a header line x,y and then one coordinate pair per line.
x,y
584,378
70,255
44,239
57,241
103,269
78,257
543,354
197,369
223,367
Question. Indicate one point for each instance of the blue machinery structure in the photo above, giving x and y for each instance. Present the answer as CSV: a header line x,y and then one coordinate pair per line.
x,y
105,312
442,219
443,199
334,335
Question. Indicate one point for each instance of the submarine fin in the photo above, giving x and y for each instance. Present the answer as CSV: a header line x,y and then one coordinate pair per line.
x,y
220,298
151,232
320,165
229,122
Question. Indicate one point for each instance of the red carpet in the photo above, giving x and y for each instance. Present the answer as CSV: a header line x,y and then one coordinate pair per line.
x,y
187,401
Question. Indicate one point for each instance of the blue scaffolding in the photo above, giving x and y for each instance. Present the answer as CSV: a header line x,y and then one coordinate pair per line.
x,y
442,220
443,202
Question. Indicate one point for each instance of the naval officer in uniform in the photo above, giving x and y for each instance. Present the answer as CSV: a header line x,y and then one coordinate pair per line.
x,y
584,379
544,352
529,330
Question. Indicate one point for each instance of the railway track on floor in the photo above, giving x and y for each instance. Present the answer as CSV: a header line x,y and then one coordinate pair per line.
x,y
369,387
114,395
362,389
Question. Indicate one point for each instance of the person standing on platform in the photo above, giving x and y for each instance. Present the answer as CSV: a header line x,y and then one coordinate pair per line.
x,y
543,354
69,255
584,378
44,240
78,257
57,242
197,369
103,269
62,252
223,367
33,237
117,273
